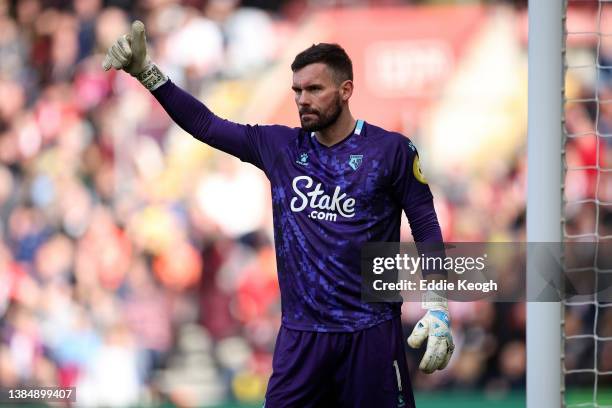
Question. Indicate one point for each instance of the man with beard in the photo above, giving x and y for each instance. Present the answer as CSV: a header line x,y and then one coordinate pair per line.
x,y
337,183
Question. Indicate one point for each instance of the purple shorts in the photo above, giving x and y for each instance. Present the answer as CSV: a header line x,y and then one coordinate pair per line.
x,y
360,369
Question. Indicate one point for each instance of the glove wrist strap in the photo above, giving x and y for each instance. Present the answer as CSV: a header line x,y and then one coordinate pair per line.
x,y
152,77
434,301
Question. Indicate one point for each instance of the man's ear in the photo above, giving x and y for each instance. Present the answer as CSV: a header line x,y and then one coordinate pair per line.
x,y
346,90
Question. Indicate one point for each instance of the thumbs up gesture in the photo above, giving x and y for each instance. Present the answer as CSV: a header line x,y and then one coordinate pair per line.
x,y
129,52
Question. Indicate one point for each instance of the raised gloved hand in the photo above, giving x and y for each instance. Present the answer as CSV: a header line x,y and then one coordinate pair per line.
x,y
435,328
129,53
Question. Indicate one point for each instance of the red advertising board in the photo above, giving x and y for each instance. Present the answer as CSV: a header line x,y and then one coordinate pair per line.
x,y
402,57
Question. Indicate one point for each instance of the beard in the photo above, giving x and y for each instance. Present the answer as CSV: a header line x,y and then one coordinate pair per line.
x,y
322,120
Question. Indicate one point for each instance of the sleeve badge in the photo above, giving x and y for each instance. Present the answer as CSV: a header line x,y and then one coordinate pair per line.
x,y
416,169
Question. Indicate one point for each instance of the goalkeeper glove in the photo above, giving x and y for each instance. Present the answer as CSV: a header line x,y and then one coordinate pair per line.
x,y
435,327
129,53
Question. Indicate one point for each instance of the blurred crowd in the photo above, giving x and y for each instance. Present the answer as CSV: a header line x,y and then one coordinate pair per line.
x,y
132,267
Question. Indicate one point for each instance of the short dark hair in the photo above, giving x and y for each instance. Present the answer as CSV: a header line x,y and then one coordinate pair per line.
x,y
331,55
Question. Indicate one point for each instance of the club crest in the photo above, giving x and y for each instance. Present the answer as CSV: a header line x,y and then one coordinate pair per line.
x,y
355,161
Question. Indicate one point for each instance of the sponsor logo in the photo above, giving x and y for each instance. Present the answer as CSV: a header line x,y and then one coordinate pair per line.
x,y
355,161
322,206
303,159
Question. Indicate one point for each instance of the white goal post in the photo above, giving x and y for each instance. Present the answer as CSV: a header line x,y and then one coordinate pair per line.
x,y
544,195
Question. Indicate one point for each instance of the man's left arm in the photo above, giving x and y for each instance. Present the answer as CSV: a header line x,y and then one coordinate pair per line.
x,y
411,189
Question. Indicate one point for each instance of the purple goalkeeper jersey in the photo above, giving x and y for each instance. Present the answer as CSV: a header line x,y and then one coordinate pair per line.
x,y
327,202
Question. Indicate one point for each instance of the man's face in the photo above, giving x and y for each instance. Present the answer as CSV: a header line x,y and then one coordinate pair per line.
x,y
317,96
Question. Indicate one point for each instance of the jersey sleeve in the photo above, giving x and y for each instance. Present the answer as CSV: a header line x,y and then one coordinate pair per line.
x,y
411,190
256,144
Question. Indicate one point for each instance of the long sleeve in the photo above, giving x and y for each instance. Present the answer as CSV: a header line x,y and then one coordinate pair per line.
x,y
412,191
253,144
424,222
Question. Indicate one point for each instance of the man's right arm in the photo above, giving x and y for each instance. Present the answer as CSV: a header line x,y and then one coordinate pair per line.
x,y
252,144
242,141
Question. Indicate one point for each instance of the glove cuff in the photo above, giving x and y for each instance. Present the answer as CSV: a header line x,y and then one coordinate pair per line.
x,y
434,301
152,77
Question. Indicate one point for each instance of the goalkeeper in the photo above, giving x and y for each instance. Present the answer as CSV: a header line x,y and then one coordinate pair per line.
x,y
336,183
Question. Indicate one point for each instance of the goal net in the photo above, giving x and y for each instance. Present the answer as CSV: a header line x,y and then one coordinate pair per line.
x,y
587,194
